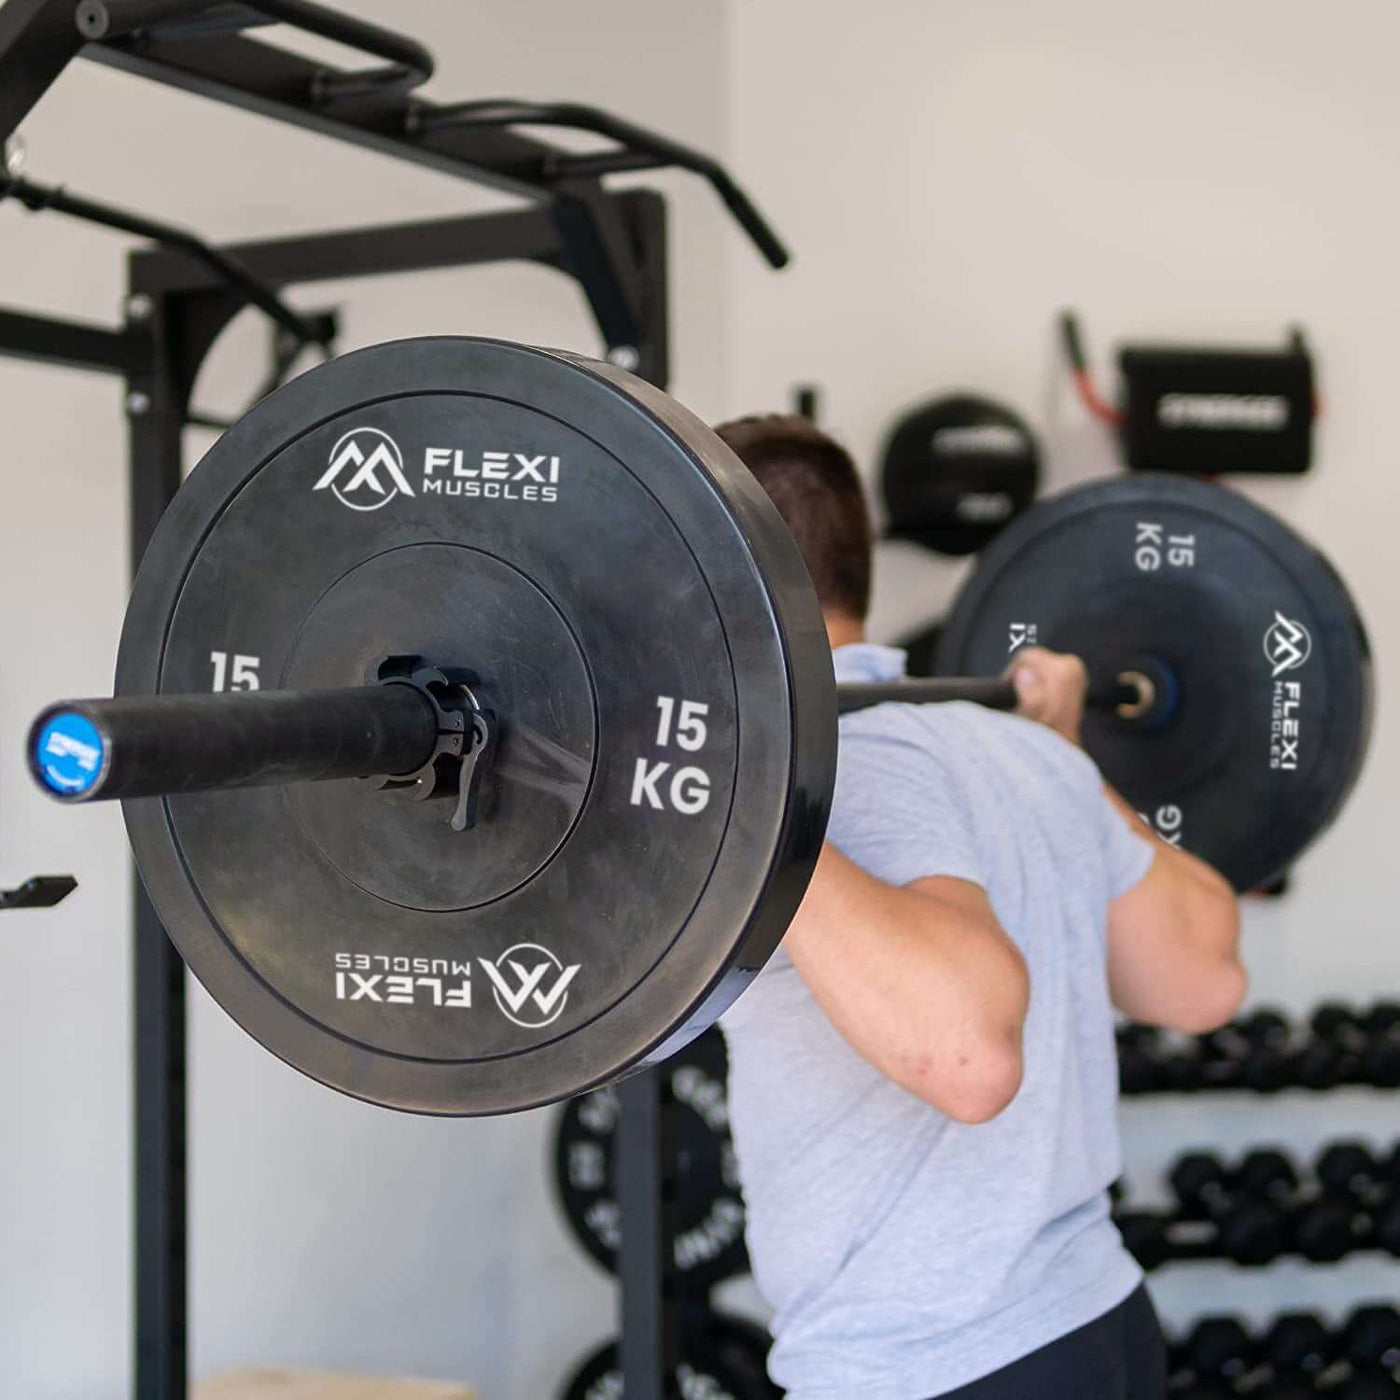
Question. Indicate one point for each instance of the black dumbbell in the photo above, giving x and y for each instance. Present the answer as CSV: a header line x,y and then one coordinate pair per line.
x,y
1317,1064
1370,1338
1266,1174
1217,1349
1150,1062
1385,1218
1330,1017
1368,1043
1337,1024
1248,1231
1324,1229
1298,1344
1348,1170
1183,1069
1381,1017
1222,1054
1380,1059
1268,1062
1279,1057
1145,1236
1140,1059
1385,1224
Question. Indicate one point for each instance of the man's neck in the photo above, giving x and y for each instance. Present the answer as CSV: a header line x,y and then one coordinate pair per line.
x,y
843,631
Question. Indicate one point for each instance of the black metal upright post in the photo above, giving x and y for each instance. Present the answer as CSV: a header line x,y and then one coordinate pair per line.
x,y
155,407
645,1146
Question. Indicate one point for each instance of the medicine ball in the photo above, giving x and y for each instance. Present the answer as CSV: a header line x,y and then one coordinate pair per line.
x,y
956,470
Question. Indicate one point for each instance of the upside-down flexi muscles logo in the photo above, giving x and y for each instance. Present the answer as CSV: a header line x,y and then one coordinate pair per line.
x,y
530,984
365,471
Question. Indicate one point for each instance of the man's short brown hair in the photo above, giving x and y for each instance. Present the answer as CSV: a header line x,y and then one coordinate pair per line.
x,y
813,482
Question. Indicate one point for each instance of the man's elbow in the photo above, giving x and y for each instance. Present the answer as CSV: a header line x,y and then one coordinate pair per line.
x,y
981,1086
1215,999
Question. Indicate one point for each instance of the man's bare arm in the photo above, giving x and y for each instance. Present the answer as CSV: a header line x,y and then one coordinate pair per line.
x,y
921,980
1173,941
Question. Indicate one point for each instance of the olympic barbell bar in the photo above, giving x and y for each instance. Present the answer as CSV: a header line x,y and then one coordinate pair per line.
x,y
161,745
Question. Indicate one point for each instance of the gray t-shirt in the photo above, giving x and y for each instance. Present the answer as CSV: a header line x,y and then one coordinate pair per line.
x,y
906,1254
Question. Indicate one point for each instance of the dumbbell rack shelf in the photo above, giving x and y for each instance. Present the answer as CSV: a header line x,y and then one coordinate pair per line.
x,y
1251,1213
1298,1354
1267,1053
1257,1212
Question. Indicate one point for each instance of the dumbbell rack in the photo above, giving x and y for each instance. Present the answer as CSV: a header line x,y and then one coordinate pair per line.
x,y
184,292
1261,1208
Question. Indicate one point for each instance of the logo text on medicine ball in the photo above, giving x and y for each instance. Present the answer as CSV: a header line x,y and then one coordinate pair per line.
x,y
1252,413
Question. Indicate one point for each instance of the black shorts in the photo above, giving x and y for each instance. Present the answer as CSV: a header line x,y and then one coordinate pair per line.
x,y
1119,1356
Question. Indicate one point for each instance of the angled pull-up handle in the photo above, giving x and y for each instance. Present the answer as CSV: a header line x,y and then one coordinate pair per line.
x,y
640,149
38,198
168,21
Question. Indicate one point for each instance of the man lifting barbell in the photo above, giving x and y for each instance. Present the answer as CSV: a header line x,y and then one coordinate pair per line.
x,y
936,1031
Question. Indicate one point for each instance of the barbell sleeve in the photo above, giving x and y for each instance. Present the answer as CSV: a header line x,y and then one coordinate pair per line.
x,y
145,746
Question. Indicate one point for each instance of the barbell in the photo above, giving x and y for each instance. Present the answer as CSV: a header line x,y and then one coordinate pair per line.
x,y
475,721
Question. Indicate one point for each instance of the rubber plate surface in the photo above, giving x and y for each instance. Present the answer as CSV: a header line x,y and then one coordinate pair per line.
x,y
1271,661
635,615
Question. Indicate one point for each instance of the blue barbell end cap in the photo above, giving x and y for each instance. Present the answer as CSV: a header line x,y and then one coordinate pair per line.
x,y
69,754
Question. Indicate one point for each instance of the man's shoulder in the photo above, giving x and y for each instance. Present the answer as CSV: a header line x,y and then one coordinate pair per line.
x,y
942,727
957,737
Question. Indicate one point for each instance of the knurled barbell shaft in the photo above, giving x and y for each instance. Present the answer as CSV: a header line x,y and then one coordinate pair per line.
x,y
146,746
1129,694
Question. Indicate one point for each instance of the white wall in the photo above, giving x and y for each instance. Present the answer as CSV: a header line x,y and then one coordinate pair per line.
x,y
950,175
323,1232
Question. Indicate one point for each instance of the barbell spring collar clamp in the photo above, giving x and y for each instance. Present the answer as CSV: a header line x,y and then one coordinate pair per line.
x,y
466,737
